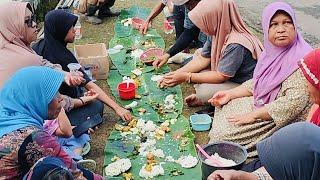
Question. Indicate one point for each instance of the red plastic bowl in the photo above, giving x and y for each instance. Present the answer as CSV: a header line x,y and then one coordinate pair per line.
x,y
146,55
137,22
127,93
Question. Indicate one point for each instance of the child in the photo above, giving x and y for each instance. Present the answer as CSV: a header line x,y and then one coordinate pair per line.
x,y
62,129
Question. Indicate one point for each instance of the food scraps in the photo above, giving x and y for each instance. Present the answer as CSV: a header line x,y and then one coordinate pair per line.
x,y
118,167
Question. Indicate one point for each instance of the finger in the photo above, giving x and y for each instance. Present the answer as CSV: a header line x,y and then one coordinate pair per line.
x,y
190,99
96,128
213,176
127,117
212,103
161,63
122,116
235,121
171,84
81,79
68,82
90,131
217,95
155,63
145,29
239,123
74,81
169,75
163,83
79,73
161,80
230,118
167,78
216,102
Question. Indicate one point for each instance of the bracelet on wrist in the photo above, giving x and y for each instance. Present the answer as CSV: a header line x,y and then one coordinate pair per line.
x,y
83,103
189,77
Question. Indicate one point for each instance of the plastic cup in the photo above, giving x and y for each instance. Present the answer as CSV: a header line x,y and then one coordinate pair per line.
x,y
127,92
74,67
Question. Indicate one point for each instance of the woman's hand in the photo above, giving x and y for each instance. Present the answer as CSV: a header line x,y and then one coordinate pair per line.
x,y
174,78
89,96
220,98
144,27
124,114
77,174
91,131
240,120
161,60
74,79
231,175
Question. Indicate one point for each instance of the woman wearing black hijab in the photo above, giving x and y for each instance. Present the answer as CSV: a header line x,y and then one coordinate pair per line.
x,y
58,32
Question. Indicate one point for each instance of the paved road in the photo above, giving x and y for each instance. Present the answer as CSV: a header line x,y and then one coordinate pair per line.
x,y
307,12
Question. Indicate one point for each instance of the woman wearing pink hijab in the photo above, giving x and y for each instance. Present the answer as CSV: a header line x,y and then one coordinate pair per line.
x,y
228,58
18,29
276,96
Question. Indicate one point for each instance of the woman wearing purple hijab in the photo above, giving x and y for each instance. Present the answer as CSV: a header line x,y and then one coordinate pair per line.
x,y
276,96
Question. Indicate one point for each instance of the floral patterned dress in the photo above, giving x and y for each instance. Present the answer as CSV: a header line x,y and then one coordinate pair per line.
x,y
22,148
291,105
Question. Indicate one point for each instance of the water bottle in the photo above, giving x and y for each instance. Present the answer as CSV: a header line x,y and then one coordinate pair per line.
x,y
77,28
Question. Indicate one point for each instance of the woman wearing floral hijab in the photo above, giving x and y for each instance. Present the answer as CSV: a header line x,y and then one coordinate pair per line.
x,y
276,96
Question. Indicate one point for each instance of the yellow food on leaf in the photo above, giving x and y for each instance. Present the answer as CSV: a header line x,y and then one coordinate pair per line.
x,y
128,176
118,127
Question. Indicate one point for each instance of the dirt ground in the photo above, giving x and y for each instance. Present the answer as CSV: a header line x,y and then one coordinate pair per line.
x,y
103,33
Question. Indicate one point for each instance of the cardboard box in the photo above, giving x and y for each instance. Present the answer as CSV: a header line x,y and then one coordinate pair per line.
x,y
95,55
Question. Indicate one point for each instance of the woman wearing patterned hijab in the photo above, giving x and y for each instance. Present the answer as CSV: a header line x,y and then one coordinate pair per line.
x,y
276,96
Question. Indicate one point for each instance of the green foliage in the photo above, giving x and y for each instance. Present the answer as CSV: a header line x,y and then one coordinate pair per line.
x,y
44,7
180,140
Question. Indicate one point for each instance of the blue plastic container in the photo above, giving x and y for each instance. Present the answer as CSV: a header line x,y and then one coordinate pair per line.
x,y
200,122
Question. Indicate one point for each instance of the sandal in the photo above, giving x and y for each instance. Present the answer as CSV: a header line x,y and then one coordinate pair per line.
x,y
86,149
88,164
